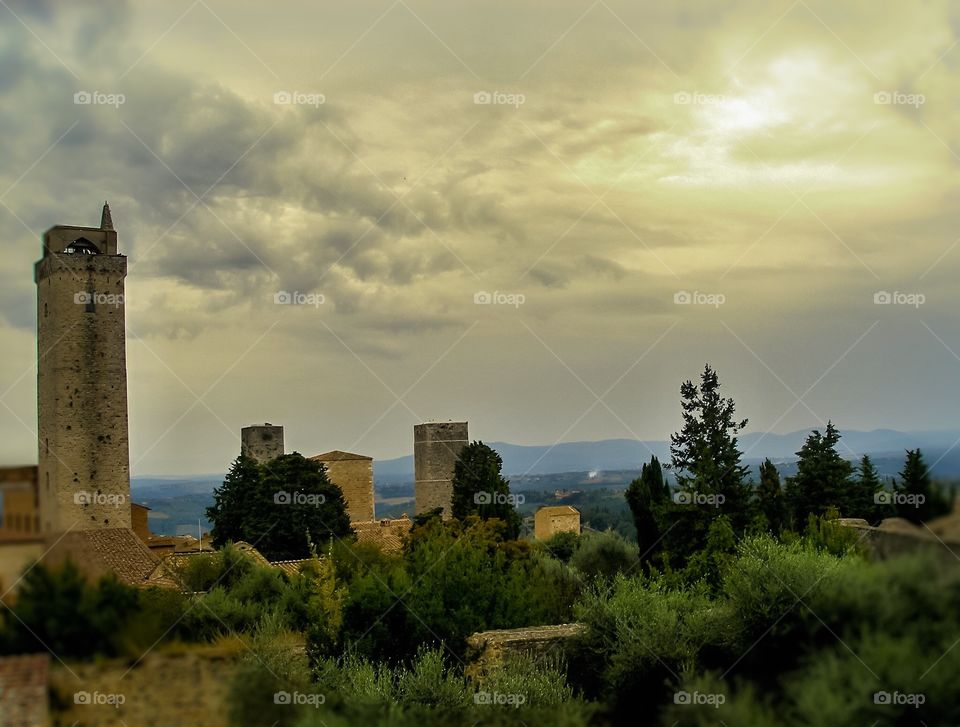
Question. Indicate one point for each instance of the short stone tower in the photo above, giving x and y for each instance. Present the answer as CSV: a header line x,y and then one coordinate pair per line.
x,y
353,474
436,446
84,463
261,442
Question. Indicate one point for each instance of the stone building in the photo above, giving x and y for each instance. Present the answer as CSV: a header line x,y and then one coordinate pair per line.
x,y
555,519
436,446
84,463
261,442
353,474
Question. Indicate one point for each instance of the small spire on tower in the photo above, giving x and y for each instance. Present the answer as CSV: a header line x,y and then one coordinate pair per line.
x,y
106,221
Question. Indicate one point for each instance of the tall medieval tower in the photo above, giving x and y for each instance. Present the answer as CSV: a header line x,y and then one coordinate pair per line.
x,y
84,473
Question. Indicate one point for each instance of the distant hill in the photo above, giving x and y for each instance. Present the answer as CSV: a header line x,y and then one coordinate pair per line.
x,y
178,502
630,454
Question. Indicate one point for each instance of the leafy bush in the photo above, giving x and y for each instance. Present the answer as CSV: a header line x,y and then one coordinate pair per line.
x,y
604,555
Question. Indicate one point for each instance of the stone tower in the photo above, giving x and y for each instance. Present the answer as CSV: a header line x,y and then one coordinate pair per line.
x,y
84,463
261,442
436,446
353,474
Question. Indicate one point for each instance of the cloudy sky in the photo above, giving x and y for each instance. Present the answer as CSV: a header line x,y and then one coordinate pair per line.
x,y
584,164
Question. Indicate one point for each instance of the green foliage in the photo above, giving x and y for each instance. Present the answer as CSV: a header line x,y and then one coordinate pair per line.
x,y
562,545
57,609
648,497
479,488
603,555
770,498
823,479
282,507
867,501
706,459
919,500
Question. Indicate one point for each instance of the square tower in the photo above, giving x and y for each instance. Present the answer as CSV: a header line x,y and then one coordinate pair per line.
x,y
84,462
262,442
436,447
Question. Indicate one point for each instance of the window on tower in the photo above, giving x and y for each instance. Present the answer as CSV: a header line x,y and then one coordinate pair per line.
x,y
81,246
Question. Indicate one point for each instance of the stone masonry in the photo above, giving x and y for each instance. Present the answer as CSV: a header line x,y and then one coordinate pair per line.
x,y
436,446
353,474
84,460
261,442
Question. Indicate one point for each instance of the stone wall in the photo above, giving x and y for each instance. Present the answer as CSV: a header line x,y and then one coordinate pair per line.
x,y
488,650
84,460
555,519
436,446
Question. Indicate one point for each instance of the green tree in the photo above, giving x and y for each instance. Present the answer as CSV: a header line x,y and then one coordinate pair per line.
x,y
648,496
706,459
770,497
918,498
284,507
867,501
823,478
479,488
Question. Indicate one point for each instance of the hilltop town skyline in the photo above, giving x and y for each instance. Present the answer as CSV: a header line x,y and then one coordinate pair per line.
x,y
778,166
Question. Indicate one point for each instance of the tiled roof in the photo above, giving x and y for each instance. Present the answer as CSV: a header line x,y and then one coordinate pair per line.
x,y
337,455
290,567
387,534
23,690
558,510
102,551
